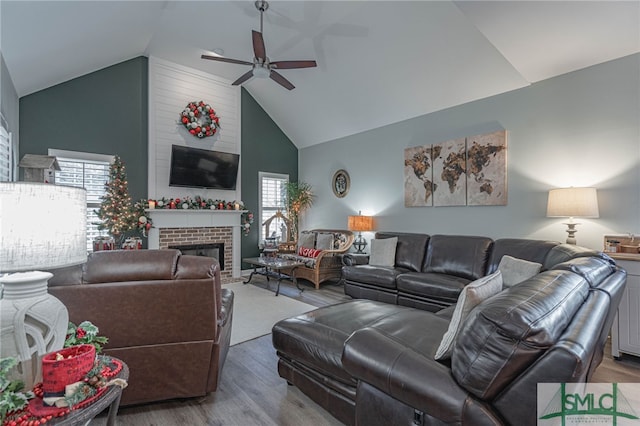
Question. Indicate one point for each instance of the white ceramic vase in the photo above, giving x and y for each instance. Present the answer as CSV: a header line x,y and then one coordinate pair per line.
x,y
32,323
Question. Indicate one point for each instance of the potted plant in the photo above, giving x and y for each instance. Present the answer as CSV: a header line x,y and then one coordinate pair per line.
x,y
298,198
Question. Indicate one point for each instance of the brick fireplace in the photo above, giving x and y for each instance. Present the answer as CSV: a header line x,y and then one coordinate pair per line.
x,y
196,228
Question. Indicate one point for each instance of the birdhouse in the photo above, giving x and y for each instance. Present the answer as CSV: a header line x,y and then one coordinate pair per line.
x,y
39,168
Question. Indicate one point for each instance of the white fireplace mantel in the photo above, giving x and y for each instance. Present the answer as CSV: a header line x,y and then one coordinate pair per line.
x,y
192,218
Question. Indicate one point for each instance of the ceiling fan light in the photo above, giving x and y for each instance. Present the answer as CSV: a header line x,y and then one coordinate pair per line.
x,y
261,72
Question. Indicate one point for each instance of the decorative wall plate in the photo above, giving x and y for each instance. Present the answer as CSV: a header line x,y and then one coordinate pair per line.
x,y
341,183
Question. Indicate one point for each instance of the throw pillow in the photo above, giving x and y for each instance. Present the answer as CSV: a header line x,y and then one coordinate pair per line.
x,y
470,297
515,270
309,252
307,239
325,241
383,252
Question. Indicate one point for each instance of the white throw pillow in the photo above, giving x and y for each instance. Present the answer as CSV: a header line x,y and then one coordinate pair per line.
x,y
307,239
325,241
514,270
383,252
470,297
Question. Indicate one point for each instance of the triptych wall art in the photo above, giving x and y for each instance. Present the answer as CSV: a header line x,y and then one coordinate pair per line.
x,y
469,171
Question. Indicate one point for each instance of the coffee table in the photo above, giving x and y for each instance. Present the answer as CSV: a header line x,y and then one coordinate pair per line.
x,y
272,267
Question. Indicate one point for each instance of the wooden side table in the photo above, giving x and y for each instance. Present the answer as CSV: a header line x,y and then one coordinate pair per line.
x,y
111,399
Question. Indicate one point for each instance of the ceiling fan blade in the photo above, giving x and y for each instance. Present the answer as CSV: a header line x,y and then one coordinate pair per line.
x,y
278,78
258,45
221,59
287,65
244,77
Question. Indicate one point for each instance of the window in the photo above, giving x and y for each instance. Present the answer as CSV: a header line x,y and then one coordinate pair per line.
x,y
90,171
272,199
6,156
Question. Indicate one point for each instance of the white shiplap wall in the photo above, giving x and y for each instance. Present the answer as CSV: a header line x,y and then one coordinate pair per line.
x,y
171,88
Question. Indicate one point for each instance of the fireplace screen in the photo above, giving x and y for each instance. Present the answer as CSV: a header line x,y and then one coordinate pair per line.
x,y
215,250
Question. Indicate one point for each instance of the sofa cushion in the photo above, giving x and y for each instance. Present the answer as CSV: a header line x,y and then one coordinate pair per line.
x,y
380,276
563,252
324,241
592,269
515,271
514,328
316,339
410,250
459,255
470,297
130,265
307,239
520,248
442,287
383,252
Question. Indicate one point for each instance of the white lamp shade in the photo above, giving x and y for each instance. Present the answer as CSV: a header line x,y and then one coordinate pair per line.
x,y
573,202
42,226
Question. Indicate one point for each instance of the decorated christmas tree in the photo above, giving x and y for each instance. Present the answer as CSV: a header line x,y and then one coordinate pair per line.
x,y
116,210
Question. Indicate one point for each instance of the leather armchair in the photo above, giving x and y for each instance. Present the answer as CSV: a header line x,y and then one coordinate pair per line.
x,y
165,315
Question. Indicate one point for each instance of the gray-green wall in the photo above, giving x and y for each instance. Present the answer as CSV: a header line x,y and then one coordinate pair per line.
x,y
577,129
265,148
105,112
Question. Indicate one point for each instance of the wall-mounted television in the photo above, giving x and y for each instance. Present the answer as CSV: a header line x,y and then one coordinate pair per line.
x,y
203,168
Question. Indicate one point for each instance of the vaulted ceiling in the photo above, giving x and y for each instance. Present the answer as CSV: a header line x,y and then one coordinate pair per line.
x,y
379,62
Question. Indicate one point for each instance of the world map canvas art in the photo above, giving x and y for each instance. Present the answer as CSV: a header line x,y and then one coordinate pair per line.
x,y
467,171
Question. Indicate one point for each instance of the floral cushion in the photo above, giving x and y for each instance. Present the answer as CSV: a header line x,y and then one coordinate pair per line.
x,y
309,262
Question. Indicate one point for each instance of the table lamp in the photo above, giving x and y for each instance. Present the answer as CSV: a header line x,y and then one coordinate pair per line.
x,y
572,202
360,224
42,226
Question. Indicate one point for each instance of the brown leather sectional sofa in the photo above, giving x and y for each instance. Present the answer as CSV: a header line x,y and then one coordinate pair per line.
x,y
165,315
372,361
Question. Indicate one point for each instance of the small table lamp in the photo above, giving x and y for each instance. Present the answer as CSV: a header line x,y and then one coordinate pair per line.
x,y
360,224
42,226
572,202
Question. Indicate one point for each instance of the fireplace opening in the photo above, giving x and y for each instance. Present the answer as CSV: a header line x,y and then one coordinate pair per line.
x,y
215,250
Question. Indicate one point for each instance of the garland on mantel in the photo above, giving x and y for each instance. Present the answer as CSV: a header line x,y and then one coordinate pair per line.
x,y
189,203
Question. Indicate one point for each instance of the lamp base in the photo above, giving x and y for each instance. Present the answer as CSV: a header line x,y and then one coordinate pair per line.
x,y
360,244
571,230
32,323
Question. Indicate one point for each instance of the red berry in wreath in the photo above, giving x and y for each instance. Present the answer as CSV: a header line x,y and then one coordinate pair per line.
x,y
192,131
184,120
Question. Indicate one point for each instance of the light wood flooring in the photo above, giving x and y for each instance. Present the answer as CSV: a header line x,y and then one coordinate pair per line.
x,y
252,393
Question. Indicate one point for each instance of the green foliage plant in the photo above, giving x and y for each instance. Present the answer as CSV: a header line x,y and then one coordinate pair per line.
x,y
13,397
298,198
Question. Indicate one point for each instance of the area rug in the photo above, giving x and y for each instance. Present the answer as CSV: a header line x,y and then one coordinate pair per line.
x,y
256,310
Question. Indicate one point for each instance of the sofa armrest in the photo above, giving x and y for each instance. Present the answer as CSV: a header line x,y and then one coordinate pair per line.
x,y
352,259
408,376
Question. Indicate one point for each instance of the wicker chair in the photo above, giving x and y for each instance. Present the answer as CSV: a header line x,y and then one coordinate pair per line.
x,y
327,264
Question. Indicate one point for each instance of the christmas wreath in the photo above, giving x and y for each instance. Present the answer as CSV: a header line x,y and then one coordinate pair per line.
x,y
200,119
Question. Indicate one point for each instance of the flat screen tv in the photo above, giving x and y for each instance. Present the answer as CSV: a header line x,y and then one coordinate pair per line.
x,y
203,168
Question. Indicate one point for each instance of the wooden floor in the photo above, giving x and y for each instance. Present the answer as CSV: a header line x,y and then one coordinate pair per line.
x,y
252,393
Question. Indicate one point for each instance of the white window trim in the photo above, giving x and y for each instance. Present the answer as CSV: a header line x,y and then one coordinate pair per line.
x,y
13,151
262,175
